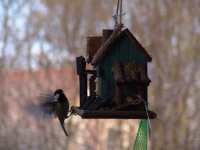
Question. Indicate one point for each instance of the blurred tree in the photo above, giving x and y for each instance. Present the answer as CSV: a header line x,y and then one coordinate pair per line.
x,y
44,34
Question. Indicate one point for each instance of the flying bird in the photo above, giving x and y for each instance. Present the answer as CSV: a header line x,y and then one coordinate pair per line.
x,y
61,107
53,104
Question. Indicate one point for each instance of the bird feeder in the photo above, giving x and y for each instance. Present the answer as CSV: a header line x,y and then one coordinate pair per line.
x,y
117,85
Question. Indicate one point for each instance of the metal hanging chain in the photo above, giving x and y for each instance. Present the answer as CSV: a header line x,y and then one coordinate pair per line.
x,y
119,13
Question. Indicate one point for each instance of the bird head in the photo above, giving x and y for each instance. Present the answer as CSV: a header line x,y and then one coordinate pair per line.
x,y
58,91
59,95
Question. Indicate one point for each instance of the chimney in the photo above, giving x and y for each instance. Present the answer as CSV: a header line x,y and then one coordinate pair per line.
x,y
93,44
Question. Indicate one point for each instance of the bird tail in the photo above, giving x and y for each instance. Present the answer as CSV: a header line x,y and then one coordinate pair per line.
x,y
63,127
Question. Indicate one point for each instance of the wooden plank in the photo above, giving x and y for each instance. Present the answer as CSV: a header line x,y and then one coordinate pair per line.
x,y
87,114
81,71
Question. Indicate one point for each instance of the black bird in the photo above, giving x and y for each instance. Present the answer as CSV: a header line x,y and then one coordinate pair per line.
x,y
61,107
53,103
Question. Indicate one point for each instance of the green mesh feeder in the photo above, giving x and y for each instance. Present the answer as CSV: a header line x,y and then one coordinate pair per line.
x,y
141,141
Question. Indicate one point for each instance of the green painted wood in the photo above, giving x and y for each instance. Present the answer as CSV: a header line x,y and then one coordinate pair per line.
x,y
122,50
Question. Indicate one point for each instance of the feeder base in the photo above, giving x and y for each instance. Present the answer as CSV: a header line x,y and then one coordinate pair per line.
x,y
113,114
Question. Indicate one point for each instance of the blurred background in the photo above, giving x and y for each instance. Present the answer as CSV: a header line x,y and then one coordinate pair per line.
x,y
39,40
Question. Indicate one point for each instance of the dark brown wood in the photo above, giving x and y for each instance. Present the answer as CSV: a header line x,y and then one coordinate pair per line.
x,y
136,82
86,114
129,106
93,44
92,86
81,71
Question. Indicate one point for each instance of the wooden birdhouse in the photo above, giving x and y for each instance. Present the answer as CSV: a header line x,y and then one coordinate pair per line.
x,y
117,86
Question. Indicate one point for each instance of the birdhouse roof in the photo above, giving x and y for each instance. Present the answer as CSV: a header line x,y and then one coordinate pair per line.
x,y
117,34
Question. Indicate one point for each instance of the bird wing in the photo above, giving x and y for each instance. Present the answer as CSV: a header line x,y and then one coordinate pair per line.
x,y
45,108
48,108
46,97
40,111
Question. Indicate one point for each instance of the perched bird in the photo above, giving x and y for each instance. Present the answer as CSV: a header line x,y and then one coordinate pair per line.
x,y
52,104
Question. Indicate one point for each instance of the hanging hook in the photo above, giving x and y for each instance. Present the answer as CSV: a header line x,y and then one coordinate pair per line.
x,y
119,13
115,16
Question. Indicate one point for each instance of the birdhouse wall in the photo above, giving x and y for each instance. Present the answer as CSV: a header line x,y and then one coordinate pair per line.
x,y
122,50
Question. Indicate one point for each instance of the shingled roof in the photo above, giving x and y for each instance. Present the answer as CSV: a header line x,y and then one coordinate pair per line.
x,y
117,34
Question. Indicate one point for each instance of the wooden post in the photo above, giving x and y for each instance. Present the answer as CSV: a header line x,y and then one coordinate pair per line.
x,y
92,85
81,71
